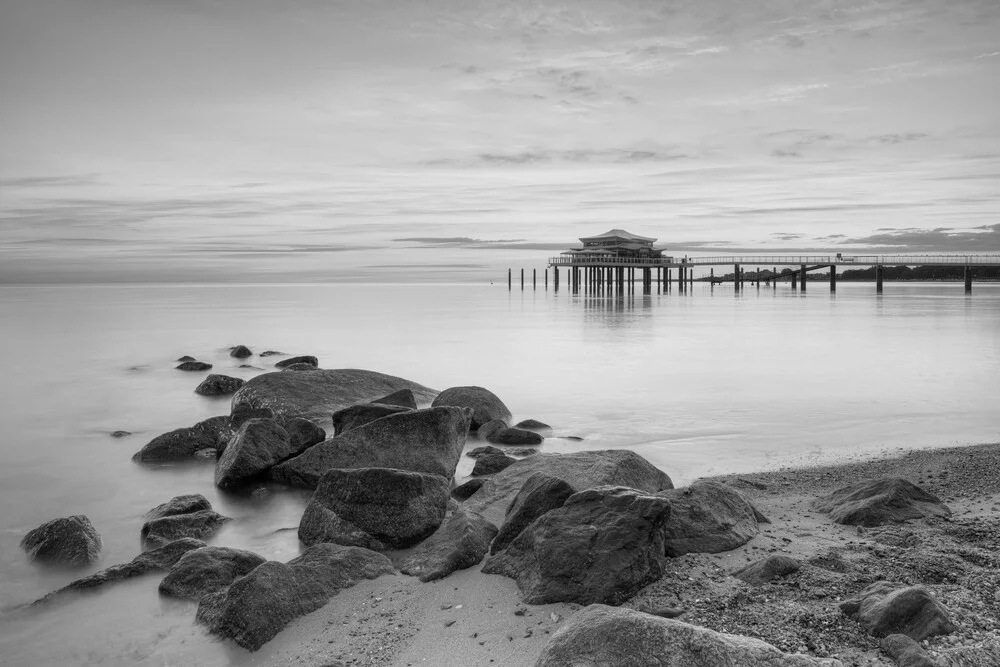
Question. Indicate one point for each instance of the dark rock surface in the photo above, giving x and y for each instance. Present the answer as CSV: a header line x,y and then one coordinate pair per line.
x,y
198,525
258,446
258,606
304,359
767,569
193,366
302,434
491,427
240,352
271,353
880,501
533,425
707,518
491,463
359,415
465,491
541,493
182,443
194,502
71,540
376,508
886,609
906,652
404,398
207,570
429,441
241,413
514,436
186,357
218,385
301,366
482,451
120,434
602,545
486,406
461,542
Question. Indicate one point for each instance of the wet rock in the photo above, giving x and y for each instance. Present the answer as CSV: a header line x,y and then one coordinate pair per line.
x,y
521,451
880,501
302,434
533,425
885,609
271,353
491,427
181,444
461,542
185,358
71,540
541,493
120,434
709,517
359,415
485,405
218,385
602,635
482,451
240,352
193,366
304,359
375,508
767,569
428,441
251,366
258,446
186,504
487,464
207,570
906,652
515,436
602,545
241,413
258,606
465,491
404,398
198,525
300,366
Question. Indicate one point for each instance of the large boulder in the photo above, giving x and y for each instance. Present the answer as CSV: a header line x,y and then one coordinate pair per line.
x,y
602,636
302,434
880,501
886,609
218,385
491,463
359,415
242,413
429,441
71,540
485,405
319,394
258,446
465,491
258,606
181,444
581,470
240,352
403,398
186,504
198,525
461,542
514,436
602,545
709,517
207,570
767,569
489,428
541,493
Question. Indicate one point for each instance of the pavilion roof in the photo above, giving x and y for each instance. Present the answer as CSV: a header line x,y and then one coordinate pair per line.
x,y
618,234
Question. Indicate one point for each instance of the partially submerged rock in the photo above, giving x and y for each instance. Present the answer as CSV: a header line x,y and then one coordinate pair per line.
x,y
885,609
207,570
461,542
218,385
193,366
304,359
181,444
533,425
359,415
240,352
541,493
707,518
491,427
71,540
881,501
767,569
514,436
258,446
120,434
186,504
486,406
491,463
198,525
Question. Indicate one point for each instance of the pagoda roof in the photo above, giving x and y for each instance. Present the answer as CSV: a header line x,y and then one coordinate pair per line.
x,y
617,234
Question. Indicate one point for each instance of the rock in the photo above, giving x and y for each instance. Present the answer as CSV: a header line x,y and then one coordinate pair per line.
x,y
533,425
181,444
662,612
581,470
491,427
428,441
461,542
707,518
256,368
271,353
906,652
602,636
491,463
464,491
402,398
71,540
291,361
359,415
602,545
515,436
218,385
541,493
767,569
185,358
120,434
486,406
207,570
302,434
301,366
258,446
188,504
240,352
880,501
258,606
241,413
885,609
198,525
521,451
319,394
482,451
376,508
193,366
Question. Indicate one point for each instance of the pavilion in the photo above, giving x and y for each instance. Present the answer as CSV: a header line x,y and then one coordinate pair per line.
x,y
616,244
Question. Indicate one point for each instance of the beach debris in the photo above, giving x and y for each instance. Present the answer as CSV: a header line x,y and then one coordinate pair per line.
x,y
461,542
709,517
218,385
71,540
880,501
486,406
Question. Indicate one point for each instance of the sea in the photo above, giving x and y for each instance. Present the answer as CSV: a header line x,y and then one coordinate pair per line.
x,y
700,382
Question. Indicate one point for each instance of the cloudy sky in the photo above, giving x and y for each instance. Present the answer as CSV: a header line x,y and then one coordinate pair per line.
x,y
330,139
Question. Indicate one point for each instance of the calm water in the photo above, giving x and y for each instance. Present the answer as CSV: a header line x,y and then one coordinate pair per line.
x,y
699,383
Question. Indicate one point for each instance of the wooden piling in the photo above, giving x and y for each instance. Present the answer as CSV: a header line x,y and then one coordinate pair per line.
x,y
968,280
833,278
803,277
509,280
534,279
878,279
522,279
736,277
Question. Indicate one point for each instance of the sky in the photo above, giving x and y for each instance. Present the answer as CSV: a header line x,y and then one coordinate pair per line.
x,y
253,140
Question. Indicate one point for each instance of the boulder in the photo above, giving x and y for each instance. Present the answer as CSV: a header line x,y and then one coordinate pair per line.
x,y
602,545
403,398
291,361
886,609
193,366
187,504
258,446
218,385
317,395
258,606
461,542
243,412
359,415
198,525
186,357
301,366
491,427
602,636
533,425
767,569
880,501
465,491
71,540
521,451
271,353
302,434
581,470
483,451
491,463
429,441
485,405
707,518
541,493
240,352
181,444
375,508
207,570
906,652
514,436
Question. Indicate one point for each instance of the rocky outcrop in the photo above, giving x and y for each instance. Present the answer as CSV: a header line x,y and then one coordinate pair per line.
x,y
218,385
491,463
427,441
602,545
193,366
71,540
207,570
602,636
375,508
240,352
258,606
258,446
768,569
402,398
707,518
302,434
181,444
319,394
886,609
880,501
292,361
485,405
465,491
359,415
198,525
461,542
541,493
514,436
186,504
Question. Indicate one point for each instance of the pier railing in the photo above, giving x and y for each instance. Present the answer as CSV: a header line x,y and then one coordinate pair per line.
x,y
782,260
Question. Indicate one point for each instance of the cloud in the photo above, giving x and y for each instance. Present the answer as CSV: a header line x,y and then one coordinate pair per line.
x,y
541,156
46,181
982,239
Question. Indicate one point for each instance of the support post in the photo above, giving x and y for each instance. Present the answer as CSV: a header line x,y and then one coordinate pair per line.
x,y
795,280
534,279
968,280
546,280
878,279
833,277
803,277
736,277
509,280
555,277
522,279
